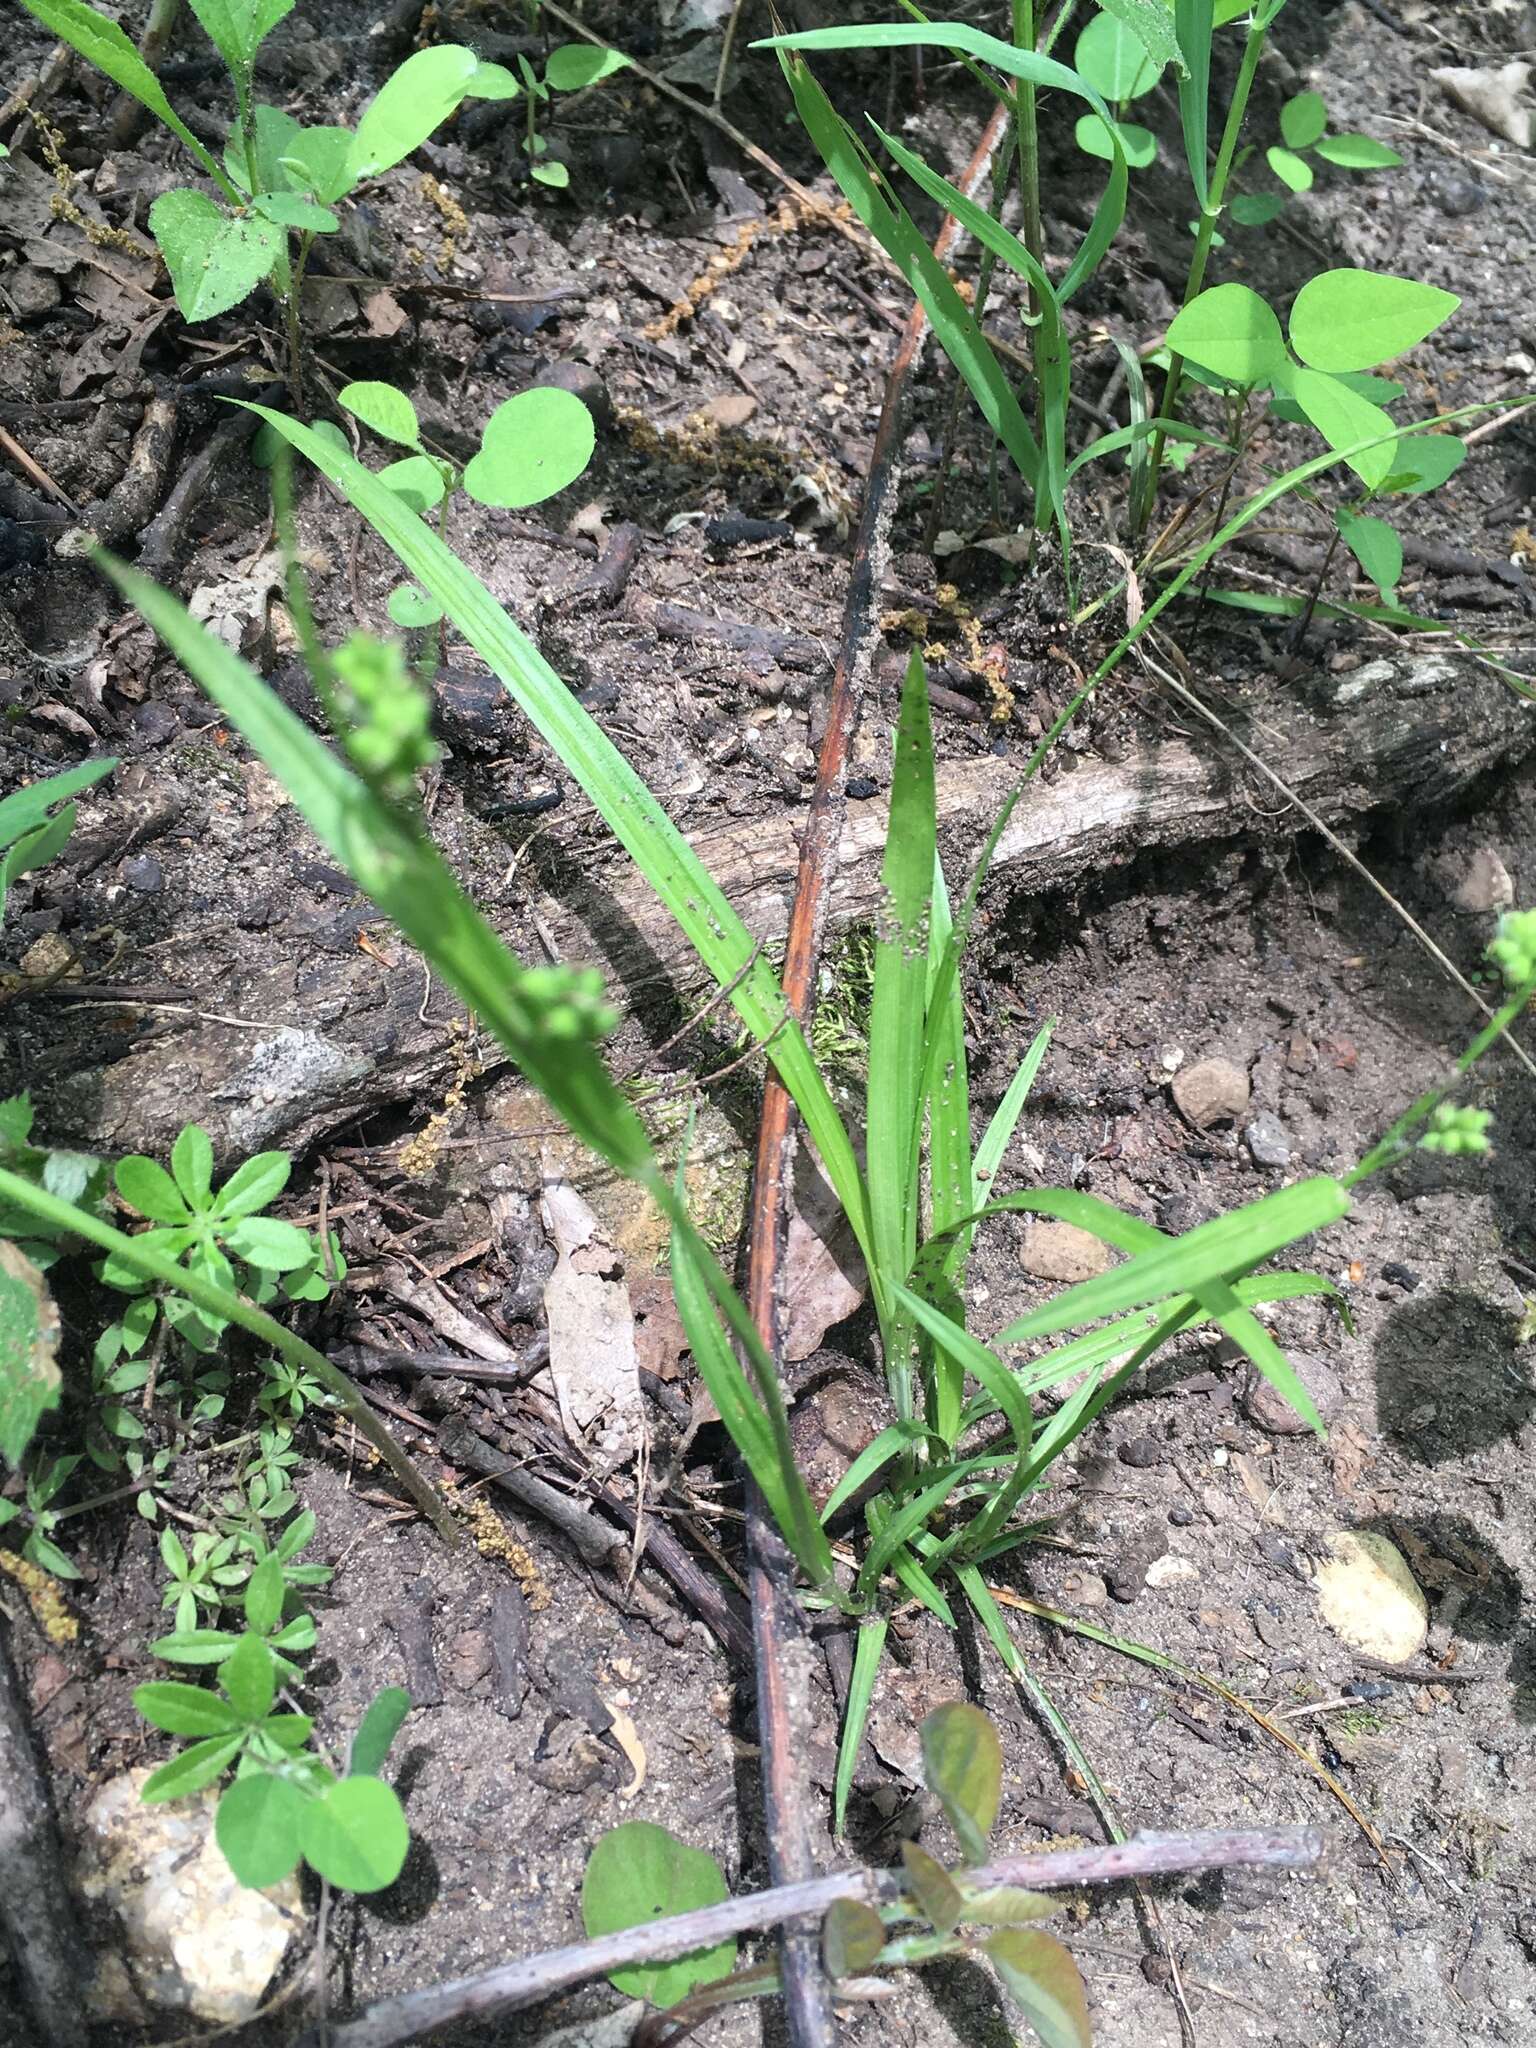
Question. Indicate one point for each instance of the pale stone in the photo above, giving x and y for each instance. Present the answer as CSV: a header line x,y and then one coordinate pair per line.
x,y
196,1940
1211,1092
1369,1598
1060,1251
1170,1570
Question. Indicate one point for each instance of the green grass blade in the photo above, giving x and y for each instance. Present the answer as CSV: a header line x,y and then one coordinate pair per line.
x,y
1052,353
890,1532
758,1427
998,1135
951,1192
869,1648
102,42
899,1003
409,880
1127,1233
1193,25
665,858
892,1441
985,1606
1228,1244
953,322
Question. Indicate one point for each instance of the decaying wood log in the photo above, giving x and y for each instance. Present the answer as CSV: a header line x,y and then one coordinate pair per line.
x,y
1406,731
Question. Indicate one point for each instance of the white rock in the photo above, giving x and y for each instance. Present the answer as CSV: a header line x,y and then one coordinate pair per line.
x,y
1369,1598
196,1940
1169,1570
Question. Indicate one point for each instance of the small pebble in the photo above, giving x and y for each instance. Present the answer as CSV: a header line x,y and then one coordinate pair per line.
x,y
1268,1141
1401,1276
1141,1453
143,874
1210,1092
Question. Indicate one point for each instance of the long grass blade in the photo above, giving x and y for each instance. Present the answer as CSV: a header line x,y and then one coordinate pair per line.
x,y
869,1648
952,320
681,881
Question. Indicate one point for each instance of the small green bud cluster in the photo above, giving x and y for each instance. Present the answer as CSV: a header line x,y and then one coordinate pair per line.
x,y
389,728
1513,952
1454,1131
570,1002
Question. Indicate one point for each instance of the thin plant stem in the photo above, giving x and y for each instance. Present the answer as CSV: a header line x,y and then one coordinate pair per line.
x,y
1394,1144
1299,630
1210,213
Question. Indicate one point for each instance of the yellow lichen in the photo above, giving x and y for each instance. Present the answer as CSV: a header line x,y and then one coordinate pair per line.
x,y
419,1155
493,1539
45,1597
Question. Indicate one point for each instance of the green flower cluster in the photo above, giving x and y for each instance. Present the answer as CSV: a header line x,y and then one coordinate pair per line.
x,y
1513,952
1456,1131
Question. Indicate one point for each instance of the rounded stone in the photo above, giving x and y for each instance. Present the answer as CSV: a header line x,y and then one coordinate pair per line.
x,y
1369,1598
1212,1091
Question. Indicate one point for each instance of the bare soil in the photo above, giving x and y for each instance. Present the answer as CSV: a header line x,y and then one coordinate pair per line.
x,y
231,976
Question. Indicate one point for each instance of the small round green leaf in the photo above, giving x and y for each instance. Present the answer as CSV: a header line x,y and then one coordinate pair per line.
x,y
1113,60
553,174
264,1597
1256,209
639,1872
417,479
377,1730
192,1770
1139,145
409,606
1423,462
192,1165
963,1768
355,1834
1354,319
534,445
1358,153
1303,119
1231,331
852,1936
1374,545
1292,170
383,408
29,1342
215,259
576,65
1344,418
260,1180
257,1826
269,1244
931,1886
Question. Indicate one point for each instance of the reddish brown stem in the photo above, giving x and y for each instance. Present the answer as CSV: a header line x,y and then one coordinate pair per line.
x,y
781,1647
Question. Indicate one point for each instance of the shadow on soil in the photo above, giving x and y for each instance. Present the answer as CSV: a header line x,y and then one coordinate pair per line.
x,y
1451,1379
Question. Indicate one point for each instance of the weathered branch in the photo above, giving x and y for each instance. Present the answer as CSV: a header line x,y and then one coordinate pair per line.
x,y
408,2017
